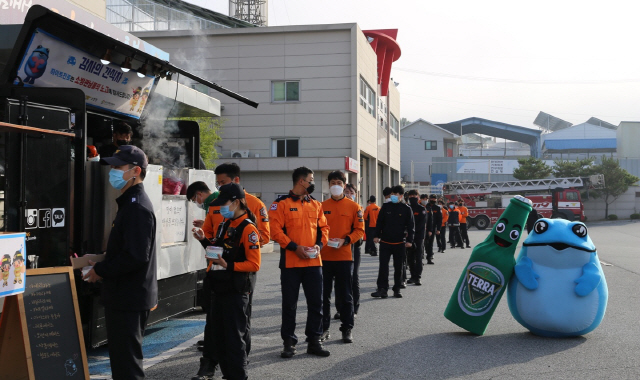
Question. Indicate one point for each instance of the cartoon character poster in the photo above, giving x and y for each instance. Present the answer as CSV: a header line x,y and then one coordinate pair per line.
x,y
12,264
50,62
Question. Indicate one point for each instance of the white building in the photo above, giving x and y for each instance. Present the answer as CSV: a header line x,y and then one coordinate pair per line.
x,y
422,144
325,103
579,141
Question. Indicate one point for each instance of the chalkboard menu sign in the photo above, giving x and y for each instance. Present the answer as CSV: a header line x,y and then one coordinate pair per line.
x,y
53,325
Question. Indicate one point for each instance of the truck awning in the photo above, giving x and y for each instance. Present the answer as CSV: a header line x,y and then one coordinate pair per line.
x,y
97,44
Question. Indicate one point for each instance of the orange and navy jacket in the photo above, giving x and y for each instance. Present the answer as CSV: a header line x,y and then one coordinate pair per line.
x,y
262,217
464,213
445,216
298,221
371,214
345,221
214,219
250,241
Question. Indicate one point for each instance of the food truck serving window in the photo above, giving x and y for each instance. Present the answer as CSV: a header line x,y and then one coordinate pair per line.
x,y
51,62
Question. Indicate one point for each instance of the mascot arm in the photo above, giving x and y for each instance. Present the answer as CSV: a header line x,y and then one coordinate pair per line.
x,y
589,280
525,274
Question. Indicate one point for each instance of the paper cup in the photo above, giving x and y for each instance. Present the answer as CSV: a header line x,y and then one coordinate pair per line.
x,y
312,252
212,252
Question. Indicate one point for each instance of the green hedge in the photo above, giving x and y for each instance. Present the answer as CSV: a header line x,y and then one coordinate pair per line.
x,y
612,217
635,216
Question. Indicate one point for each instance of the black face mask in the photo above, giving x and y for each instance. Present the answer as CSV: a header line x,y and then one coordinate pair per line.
x,y
311,188
123,142
413,200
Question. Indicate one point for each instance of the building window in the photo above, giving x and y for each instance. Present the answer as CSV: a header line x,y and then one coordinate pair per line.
x,y
285,147
367,98
395,126
200,88
430,145
449,151
288,91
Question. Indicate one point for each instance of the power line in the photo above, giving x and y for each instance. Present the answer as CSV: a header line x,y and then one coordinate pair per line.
x,y
507,80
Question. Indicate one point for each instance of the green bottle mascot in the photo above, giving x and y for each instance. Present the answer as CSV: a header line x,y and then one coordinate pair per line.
x,y
488,271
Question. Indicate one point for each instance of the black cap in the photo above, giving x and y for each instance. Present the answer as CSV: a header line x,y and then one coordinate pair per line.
x,y
127,154
372,198
433,196
228,192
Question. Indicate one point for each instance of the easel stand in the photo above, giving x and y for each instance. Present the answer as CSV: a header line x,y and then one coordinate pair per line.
x,y
15,351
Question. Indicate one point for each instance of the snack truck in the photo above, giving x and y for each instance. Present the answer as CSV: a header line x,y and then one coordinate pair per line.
x,y
63,85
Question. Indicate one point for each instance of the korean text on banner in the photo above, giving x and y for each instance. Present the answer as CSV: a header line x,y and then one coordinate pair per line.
x,y
49,62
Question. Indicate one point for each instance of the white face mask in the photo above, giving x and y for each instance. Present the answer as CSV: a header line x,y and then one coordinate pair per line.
x,y
387,200
336,190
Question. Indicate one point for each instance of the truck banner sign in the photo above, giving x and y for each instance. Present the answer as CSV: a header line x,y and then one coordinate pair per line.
x,y
50,62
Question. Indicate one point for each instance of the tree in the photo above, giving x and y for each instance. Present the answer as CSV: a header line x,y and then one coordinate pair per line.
x,y
209,135
404,122
579,168
531,168
616,181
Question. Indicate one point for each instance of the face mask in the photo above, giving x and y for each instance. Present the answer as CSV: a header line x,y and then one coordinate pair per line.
x,y
424,203
94,159
451,207
311,188
226,213
336,190
123,142
432,202
352,197
394,199
116,180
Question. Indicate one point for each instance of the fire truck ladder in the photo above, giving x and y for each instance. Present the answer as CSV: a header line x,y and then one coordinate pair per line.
x,y
595,181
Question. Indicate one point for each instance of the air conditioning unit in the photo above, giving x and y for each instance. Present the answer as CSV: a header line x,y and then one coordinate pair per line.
x,y
239,153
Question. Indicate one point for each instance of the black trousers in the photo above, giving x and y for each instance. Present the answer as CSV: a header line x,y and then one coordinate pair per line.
x,y
229,327
399,256
414,258
428,244
342,272
442,238
311,280
370,246
463,233
125,330
454,236
355,279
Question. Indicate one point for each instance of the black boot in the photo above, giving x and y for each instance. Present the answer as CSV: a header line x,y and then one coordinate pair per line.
x,y
380,293
289,349
315,347
346,336
206,371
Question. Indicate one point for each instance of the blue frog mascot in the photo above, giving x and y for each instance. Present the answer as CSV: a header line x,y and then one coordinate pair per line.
x,y
36,64
559,289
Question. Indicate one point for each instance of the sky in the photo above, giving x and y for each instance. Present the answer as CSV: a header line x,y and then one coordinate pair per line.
x,y
499,60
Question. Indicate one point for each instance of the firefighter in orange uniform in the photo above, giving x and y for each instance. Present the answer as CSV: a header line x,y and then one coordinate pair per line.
x,y
346,227
299,226
370,218
442,238
464,213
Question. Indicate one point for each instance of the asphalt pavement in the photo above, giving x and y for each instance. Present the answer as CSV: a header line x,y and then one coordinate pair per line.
x,y
409,338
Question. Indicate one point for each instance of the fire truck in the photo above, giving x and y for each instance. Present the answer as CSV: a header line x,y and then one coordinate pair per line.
x,y
63,86
552,198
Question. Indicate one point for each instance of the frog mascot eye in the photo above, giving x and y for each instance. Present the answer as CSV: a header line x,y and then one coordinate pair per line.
x,y
500,227
580,230
541,226
514,234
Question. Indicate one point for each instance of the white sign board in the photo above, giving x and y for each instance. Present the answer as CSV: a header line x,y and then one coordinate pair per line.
x,y
479,166
13,263
174,220
49,62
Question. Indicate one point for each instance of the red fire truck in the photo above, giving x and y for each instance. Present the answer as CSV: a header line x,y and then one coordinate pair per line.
x,y
552,198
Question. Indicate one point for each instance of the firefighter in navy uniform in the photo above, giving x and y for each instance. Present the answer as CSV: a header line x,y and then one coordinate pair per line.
x,y
394,220
454,226
433,230
232,279
415,253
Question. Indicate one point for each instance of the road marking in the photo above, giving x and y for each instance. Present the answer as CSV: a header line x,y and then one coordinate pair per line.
x,y
160,358
605,264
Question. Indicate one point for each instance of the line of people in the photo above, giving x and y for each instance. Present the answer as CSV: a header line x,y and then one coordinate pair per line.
x,y
320,251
